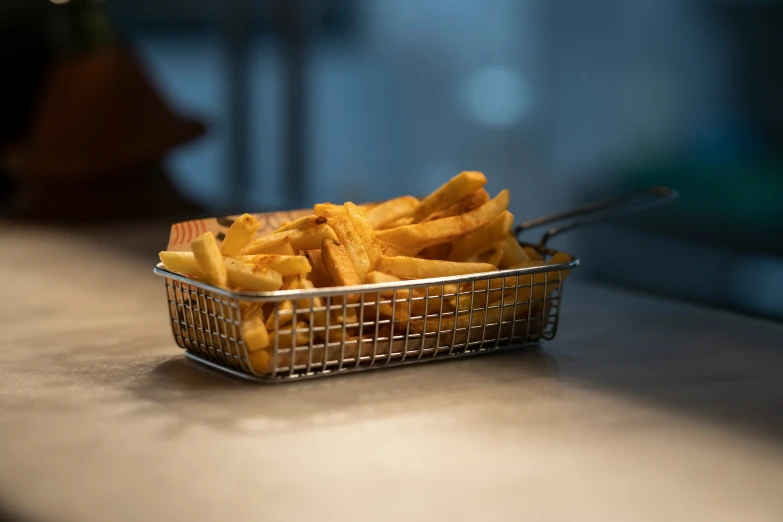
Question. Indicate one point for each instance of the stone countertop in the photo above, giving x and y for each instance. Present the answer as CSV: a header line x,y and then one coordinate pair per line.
x,y
641,409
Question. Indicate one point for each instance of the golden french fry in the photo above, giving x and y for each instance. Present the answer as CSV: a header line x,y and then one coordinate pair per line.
x,y
280,249
460,186
493,256
347,236
347,316
535,287
251,277
284,313
185,263
181,262
441,251
286,265
497,282
532,253
311,306
462,206
415,268
339,264
248,309
263,361
422,235
260,361
307,239
379,277
443,290
255,333
209,260
302,223
429,301
388,250
494,314
239,234
320,275
365,232
285,309
391,210
483,237
399,222
513,253
418,299
399,311
285,338
398,299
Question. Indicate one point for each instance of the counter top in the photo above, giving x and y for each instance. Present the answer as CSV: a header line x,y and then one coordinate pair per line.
x,y
641,409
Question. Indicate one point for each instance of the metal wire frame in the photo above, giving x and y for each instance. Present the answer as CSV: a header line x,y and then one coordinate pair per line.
x,y
329,331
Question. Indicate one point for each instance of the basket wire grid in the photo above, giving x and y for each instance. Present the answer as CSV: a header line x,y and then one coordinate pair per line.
x,y
331,330
328,331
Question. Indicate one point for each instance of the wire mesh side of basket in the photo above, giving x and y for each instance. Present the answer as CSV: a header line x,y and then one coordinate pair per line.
x,y
312,335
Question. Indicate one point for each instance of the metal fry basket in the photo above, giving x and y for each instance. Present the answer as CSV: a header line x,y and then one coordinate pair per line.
x,y
329,331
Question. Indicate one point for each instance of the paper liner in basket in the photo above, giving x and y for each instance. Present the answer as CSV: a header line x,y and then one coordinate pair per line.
x,y
183,233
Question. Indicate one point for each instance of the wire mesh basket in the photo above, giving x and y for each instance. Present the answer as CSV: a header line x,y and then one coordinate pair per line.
x,y
328,331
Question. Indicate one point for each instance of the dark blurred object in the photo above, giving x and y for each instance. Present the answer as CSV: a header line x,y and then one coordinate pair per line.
x,y
98,133
759,38
97,113
23,58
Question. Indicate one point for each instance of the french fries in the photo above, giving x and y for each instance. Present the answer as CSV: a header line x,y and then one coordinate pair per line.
x,y
415,268
337,218
255,333
365,231
307,239
320,275
339,263
466,204
181,262
285,310
532,253
457,230
303,223
513,253
442,251
239,234
286,265
483,238
399,222
422,235
209,260
460,186
493,257
391,210
256,278
282,249
291,336
380,277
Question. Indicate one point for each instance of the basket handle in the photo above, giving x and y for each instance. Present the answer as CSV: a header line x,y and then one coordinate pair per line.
x,y
600,211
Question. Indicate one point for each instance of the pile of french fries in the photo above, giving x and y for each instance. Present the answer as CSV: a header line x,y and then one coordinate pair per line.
x,y
458,229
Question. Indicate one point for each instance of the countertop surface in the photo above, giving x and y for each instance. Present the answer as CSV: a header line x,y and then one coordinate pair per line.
x,y
641,409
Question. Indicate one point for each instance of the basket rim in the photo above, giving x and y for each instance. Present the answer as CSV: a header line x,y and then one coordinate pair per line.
x,y
339,291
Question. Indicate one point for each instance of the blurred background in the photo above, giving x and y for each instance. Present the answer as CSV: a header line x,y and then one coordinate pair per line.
x,y
168,109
